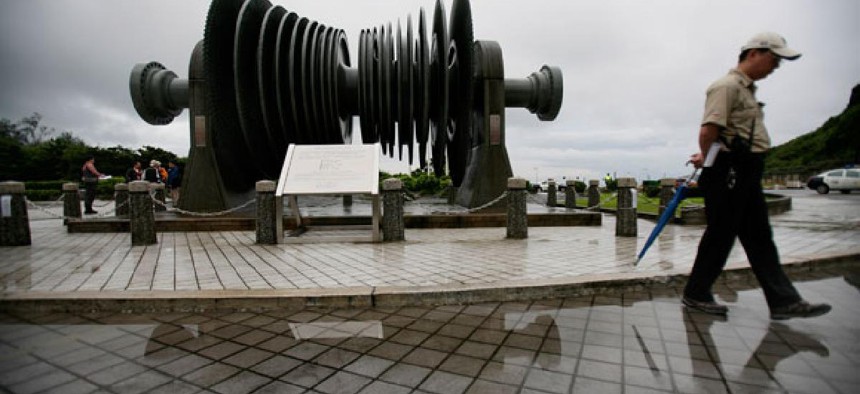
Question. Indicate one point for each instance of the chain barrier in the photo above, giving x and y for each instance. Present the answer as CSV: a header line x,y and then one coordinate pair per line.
x,y
203,214
604,201
645,200
469,210
497,199
55,216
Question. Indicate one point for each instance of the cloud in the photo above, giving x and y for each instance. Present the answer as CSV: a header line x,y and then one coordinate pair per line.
x,y
634,72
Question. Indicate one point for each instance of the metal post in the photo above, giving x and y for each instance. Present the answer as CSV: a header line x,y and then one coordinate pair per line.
x,y
625,223
518,226
14,223
392,210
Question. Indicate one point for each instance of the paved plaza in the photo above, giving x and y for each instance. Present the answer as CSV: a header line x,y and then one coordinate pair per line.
x,y
387,339
430,266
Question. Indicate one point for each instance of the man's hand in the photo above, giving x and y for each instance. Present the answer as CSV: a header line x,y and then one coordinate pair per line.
x,y
697,159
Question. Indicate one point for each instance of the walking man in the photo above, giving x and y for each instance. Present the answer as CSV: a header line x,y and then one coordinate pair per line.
x,y
734,201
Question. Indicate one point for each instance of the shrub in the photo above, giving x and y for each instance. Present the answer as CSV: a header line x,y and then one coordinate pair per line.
x,y
419,182
612,185
43,195
651,188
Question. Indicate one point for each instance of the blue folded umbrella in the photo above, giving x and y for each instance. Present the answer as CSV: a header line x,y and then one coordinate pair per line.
x,y
680,194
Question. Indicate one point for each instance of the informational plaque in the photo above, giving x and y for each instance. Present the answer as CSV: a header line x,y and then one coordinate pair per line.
x,y
330,169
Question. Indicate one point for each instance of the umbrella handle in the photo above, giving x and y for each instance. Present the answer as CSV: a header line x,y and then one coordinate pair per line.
x,y
709,159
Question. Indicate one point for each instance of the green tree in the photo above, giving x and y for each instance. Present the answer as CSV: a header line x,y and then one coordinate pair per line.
x,y
29,155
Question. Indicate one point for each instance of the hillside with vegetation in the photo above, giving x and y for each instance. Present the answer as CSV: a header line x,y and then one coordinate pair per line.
x,y
835,144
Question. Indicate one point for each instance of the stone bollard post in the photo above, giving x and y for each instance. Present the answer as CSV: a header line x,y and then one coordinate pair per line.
x,y
570,194
518,226
593,194
120,199
667,186
142,218
551,194
625,223
392,210
267,218
14,223
71,201
160,196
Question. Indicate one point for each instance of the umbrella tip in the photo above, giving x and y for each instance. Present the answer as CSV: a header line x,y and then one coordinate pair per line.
x,y
638,259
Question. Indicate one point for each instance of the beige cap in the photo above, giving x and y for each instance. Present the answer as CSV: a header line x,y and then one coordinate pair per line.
x,y
775,42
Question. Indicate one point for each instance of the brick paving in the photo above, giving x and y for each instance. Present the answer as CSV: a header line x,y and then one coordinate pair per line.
x,y
620,342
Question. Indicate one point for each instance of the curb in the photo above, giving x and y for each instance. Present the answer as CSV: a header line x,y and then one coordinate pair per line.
x,y
386,297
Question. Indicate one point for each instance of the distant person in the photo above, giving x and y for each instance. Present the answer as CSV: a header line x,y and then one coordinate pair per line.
x,y
174,180
134,173
734,202
90,177
162,173
151,174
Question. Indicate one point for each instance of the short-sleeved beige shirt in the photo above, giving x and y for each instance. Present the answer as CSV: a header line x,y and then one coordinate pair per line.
x,y
731,105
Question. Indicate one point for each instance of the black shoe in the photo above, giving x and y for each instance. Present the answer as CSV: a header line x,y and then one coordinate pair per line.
x,y
709,307
90,212
799,309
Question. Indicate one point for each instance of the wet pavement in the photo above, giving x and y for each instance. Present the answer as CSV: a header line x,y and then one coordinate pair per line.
x,y
432,266
624,342
635,339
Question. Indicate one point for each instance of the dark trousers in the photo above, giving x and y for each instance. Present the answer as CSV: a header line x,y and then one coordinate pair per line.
x,y
738,212
89,195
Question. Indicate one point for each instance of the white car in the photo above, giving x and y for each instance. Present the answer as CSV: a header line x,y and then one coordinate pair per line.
x,y
544,186
844,179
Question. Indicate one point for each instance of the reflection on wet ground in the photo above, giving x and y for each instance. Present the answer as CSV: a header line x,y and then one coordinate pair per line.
x,y
625,342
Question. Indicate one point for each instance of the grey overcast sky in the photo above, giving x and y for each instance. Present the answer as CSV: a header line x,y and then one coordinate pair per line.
x,y
635,72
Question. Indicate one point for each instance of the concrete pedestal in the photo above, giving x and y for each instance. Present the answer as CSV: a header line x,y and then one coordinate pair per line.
x,y
551,194
393,227
593,194
625,223
14,223
570,194
142,217
71,201
667,186
120,197
267,218
160,196
518,226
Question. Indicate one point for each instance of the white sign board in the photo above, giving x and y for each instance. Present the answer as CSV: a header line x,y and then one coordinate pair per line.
x,y
6,206
330,169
